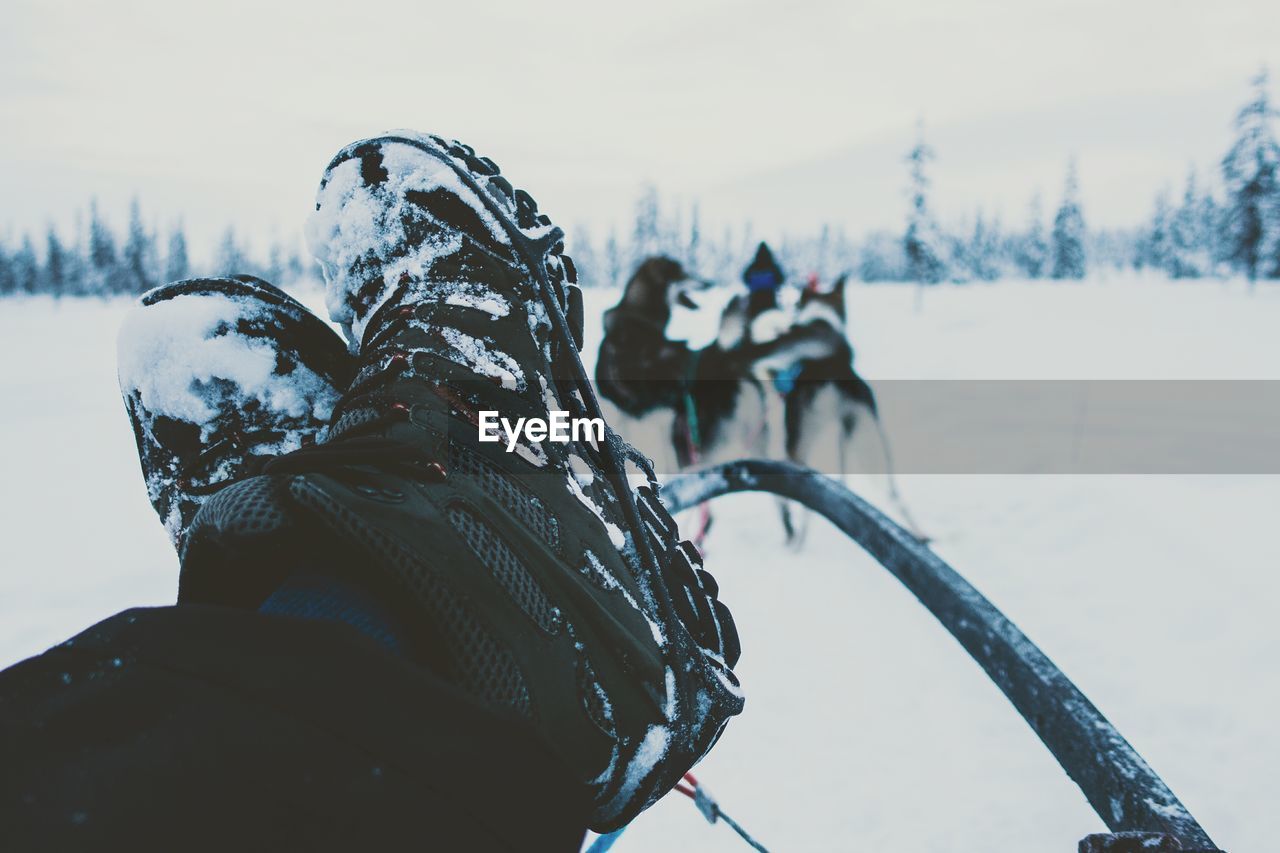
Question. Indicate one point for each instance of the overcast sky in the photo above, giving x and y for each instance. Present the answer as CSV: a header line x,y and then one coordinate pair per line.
x,y
789,113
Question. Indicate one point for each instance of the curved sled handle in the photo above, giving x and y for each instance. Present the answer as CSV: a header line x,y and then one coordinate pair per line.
x,y
1122,788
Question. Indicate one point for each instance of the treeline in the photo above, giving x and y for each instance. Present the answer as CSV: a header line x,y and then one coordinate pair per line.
x,y
1232,228
1202,231
96,261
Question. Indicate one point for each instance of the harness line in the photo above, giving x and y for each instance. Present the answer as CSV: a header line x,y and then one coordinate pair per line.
x,y
693,437
710,809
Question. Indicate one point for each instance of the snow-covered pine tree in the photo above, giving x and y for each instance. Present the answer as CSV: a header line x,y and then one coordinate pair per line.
x,y
1251,223
294,267
275,270
79,250
26,268
139,254
982,252
585,259
1209,214
922,242
1156,251
645,236
671,234
612,270
820,255
1031,248
1068,231
721,257
882,257
843,257
55,279
6,272
1189,244
104,267
176,264
229,258
693,247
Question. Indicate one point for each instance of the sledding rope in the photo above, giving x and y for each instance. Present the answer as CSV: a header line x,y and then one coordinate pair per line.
x,y
710,809
1122,788
605,842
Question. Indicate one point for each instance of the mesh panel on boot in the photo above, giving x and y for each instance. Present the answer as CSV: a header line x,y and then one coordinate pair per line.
x,y
515,500
505,567
248,508
483,666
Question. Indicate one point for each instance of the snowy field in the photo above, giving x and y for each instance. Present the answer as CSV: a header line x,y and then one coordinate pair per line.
x,y
867,727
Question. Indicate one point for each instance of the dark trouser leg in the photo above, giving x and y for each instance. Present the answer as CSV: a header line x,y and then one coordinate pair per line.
x,y
196,727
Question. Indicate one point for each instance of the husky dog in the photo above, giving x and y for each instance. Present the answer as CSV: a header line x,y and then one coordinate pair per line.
x,y
831,420
682,406
678,405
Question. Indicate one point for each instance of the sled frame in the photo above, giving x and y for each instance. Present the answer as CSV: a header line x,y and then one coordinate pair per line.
x,y
1132,800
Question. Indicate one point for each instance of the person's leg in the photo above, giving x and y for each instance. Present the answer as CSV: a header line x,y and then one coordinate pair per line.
x,y
213,728
582,646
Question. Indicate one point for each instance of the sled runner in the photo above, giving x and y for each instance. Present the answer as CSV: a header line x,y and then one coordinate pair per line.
x,y
1132,800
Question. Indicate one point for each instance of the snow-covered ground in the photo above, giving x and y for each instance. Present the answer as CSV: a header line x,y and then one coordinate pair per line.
x,y
866,726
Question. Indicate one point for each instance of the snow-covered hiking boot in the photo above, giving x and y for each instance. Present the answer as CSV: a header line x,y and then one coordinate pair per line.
x,y
218,375
547,587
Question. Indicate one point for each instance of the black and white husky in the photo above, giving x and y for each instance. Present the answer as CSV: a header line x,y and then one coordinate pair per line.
x,y
678,405
830,415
